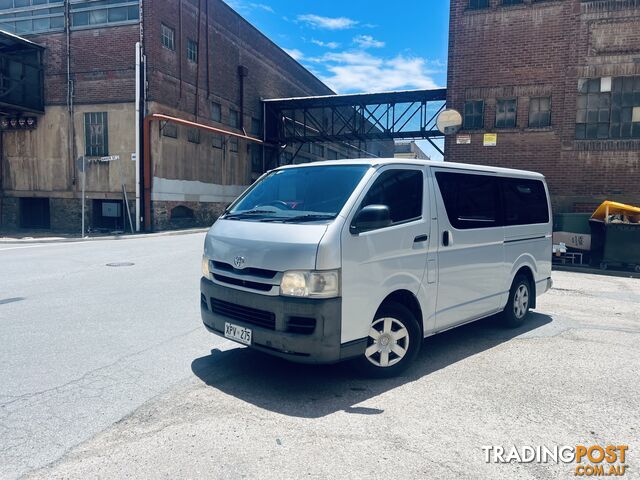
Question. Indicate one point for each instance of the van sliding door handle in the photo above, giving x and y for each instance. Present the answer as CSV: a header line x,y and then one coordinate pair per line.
x,y
421,238
446,238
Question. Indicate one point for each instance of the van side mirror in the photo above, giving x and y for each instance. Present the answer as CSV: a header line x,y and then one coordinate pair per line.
x,y
371,217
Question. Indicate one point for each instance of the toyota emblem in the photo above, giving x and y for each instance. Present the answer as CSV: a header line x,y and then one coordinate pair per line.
x,y
239,262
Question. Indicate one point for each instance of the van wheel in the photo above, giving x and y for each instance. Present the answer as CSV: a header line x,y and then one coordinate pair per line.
x,y
518,304
393,343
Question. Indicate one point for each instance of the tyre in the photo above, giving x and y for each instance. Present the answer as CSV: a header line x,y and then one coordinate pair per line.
x,y
393,343
517,308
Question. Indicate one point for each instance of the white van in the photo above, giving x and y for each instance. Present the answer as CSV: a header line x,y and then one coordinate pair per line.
x,y
346,259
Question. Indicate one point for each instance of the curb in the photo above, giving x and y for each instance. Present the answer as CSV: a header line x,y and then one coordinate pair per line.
x,y
168,233
596,271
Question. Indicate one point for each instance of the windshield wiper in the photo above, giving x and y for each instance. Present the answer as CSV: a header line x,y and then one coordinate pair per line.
x,y
308,218
231,216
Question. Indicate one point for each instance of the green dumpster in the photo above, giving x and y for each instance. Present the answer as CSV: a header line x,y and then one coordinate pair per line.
x,y
615,236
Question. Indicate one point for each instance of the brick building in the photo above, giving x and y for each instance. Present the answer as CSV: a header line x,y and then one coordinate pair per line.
x,y
558,81
204,63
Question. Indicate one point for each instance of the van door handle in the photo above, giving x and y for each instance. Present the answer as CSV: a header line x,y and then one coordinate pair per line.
x,y
446,238
421,238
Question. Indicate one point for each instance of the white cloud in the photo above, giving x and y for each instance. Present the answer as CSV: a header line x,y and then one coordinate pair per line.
x,y
360,71
294,53
332,45
261,6
329,23
243,6
367,41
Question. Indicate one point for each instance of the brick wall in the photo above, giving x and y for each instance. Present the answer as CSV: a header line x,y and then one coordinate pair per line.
x,y
542,49
102,64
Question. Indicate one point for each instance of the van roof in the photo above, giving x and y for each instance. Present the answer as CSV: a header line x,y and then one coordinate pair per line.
x,y
378,162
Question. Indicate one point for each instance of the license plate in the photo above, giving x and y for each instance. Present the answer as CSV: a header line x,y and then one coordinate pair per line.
x,y
239,334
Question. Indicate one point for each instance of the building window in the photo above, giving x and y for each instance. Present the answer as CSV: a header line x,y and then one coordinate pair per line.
x,y
88,13
216,141
169,130
192,51
216,112
193,135
473,114
317,149
234,118
256,158
31,16
256,126
332,154
511,2
96,134
608,108
540,112
474,4
233,144
167,37
506,113
625,107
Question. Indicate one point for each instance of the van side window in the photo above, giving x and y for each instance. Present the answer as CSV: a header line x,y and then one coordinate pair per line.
x,y
471,201
525,201
401,191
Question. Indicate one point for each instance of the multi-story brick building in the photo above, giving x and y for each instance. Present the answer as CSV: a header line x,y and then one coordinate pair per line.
x,y
558,82
204,63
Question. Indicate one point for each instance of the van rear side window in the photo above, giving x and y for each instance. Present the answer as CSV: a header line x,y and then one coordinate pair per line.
x,y
525,201
471,201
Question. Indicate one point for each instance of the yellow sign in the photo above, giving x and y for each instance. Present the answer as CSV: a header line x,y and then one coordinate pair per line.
x,y
490,139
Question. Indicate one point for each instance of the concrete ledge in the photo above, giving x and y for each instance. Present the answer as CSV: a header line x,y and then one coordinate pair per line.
x,y
595,271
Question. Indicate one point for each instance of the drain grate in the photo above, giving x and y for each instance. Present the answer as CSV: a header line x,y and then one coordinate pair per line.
x,y
120,264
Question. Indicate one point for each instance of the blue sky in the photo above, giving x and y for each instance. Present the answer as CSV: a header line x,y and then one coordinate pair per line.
x,y
359,46
356,45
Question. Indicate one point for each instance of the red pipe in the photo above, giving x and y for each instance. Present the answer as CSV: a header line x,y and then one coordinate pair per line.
x,y
146,147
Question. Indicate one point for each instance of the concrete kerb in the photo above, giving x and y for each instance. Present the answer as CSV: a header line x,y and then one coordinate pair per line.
x,y
31,240
596,271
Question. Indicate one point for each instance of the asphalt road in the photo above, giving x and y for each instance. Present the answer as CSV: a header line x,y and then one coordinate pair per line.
x,y
83,344
107,373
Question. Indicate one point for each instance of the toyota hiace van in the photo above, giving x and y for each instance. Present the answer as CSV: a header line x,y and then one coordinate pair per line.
x,y
337,260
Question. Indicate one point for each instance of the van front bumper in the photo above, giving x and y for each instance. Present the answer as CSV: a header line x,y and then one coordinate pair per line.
x,y
299,329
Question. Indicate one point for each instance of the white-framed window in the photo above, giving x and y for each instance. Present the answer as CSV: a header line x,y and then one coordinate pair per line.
x,y
168,37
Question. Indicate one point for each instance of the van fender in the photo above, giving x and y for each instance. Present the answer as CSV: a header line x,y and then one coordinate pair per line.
x,y
394,283
525,260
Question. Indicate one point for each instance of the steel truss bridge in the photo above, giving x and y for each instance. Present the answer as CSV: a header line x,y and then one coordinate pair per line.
x,y
356,117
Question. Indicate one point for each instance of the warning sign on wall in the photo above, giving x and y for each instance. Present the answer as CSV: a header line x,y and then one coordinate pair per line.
x,y
490,139
463,139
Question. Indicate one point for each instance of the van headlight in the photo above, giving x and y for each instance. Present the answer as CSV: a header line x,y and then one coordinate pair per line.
x,y
205,268
317,284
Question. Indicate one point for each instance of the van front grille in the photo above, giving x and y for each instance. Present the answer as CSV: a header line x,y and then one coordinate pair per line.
x,y
256,272
263,287
250,315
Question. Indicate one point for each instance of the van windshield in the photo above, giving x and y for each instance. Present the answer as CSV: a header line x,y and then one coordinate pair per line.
x,y
296,195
